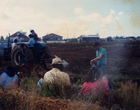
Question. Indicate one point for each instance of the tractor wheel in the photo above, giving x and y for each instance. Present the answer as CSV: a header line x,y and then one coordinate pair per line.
x,y
15,56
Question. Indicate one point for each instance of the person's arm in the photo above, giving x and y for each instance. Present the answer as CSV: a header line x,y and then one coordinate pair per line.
x,y
97,58
33,41
30,42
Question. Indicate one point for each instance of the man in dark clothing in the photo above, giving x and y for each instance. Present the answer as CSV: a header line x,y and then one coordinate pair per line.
x,y
22,55
35,35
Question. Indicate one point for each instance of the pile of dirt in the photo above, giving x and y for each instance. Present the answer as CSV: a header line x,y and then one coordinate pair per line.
x,y
25,100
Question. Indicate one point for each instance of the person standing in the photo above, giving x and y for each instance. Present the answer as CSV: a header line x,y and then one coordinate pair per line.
x,y
101,58
35,36
22,55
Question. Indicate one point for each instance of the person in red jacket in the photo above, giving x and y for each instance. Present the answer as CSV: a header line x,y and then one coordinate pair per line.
x,y
95,85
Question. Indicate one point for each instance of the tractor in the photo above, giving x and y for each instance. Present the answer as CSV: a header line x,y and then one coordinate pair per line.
x,y
40,54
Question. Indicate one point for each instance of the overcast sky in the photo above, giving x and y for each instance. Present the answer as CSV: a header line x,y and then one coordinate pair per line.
x,y
71,18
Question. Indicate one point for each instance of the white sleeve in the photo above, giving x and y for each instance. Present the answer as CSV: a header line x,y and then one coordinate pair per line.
x,y
13,45
40,83
30,41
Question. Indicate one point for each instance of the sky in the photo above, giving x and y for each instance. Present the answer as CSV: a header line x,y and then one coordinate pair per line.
x,y
71,18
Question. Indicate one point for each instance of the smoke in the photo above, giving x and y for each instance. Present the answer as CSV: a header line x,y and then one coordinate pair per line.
x,y
134,15
128,1
72,29
135,19
119,26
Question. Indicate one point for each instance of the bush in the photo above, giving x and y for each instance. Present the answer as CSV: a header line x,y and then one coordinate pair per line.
x,y
127,95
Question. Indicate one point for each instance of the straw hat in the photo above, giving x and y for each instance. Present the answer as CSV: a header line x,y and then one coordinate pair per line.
x,y
58,60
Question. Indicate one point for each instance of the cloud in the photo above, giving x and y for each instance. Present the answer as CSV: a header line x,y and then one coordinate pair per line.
x,y
21,18
106,25
73,29
25,18
96,17
129,1
15,16
78,10
112,12
120,13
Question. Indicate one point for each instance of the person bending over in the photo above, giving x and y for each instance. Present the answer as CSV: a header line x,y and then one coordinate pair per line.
x,y
95,86
101,58
9,78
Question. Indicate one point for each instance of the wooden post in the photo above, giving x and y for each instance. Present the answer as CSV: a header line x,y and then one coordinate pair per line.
x,y
8,40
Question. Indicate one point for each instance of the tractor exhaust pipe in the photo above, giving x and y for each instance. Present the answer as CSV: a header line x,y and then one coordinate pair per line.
x,y
8,40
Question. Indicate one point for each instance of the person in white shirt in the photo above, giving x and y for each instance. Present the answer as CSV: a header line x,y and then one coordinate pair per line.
x,y
40,83
56,77
18,38
31,41
14,44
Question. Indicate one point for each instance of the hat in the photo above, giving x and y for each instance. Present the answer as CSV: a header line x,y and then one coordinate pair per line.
x,y
58,60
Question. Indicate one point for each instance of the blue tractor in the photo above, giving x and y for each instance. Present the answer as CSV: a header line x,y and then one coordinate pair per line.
x,y
40,54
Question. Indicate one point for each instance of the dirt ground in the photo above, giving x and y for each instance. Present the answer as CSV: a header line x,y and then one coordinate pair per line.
x,y
120,56
78,55
25,100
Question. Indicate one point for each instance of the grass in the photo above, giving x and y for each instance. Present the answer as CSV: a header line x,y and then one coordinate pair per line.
x,y
127,94
29,84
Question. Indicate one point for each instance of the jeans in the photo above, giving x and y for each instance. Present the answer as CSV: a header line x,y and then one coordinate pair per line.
x,y
22,61
102,68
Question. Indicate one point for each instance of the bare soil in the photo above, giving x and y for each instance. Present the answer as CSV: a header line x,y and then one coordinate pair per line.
x,y
78,55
